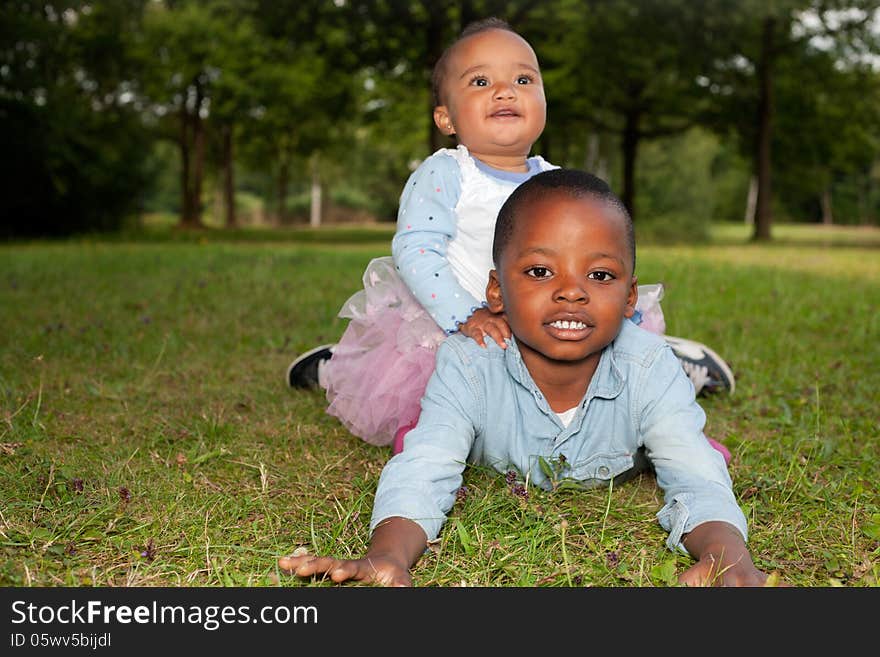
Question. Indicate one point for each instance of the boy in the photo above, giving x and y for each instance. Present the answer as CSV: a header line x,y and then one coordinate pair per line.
x,y
576,381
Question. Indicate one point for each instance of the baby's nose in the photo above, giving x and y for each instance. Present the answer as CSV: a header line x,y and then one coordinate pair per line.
x,y
504,90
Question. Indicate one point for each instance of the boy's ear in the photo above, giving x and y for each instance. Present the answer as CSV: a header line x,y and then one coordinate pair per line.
x,y
631,298
443,121
494,300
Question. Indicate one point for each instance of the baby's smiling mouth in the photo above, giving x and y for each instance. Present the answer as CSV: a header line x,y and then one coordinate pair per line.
x,y
504,113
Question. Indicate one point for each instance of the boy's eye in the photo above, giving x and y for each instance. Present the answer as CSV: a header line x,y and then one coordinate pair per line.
x,y
524,79
601,276
538,272
480,81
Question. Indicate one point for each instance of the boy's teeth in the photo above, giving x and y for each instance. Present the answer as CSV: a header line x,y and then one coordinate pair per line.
x,y
565,324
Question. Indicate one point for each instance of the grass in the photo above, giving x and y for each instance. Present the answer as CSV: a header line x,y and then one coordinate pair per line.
x,y
147,437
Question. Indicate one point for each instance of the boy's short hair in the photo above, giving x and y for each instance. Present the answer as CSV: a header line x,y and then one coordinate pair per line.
x,y
438,75
573,182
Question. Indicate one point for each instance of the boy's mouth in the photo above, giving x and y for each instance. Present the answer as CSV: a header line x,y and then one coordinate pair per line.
x,y
569,329
565,324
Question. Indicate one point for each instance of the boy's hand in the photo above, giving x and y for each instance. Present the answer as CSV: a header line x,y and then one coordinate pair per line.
x,y
395,546
484,322
722,558
374,569
712,571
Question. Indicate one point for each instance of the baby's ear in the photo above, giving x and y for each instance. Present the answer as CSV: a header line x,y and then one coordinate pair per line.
x,y
631,298
443,121
494,299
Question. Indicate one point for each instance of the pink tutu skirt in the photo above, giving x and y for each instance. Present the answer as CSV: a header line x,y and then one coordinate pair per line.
x,y
381,365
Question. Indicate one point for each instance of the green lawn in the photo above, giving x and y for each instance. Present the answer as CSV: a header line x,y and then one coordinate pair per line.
x,y
148,439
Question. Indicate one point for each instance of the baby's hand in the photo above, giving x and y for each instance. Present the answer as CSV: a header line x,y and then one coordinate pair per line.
x,y
376,569
484,322
710,571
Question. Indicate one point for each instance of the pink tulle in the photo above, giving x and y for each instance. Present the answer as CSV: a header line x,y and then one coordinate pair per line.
x,y
648,305
381,365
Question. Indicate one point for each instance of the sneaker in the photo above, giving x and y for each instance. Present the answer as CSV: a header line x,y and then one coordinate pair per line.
x,y
706,369
303,372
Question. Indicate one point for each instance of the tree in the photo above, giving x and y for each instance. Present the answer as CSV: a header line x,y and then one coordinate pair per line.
x,y
240,51
763,38
74,147
182,50
630,68
304,91
827,133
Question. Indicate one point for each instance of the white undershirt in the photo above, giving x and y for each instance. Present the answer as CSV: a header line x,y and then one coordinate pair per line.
x,y
567,416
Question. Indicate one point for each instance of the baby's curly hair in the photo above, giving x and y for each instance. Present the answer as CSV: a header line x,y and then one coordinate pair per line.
x,y
438,75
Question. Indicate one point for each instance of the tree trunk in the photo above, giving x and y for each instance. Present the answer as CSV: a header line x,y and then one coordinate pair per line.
x,y
283,177
229,178
591,153
192,156
433,49
186,213
630,151
866,194
593,160
751,199
827,214
763,159
199,163
315,206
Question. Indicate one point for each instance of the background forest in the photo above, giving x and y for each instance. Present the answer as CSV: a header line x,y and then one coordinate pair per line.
x,y
129,113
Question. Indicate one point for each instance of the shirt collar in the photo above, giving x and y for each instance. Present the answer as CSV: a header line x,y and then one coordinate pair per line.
x,y
607,381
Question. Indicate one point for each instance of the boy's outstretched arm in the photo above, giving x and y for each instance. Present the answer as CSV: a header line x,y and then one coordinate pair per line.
x,y
722,557
395,546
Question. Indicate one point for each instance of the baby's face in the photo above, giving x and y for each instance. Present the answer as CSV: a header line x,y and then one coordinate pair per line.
x,y
493,95
566,278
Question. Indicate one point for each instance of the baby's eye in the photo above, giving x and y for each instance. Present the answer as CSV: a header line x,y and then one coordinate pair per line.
x,y
538,272
479,81
524,79
601,276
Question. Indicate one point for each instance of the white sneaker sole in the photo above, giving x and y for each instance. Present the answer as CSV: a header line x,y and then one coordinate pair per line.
x,y
303,357
694,350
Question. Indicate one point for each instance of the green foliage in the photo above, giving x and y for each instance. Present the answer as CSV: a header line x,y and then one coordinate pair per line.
x,y
74,148
114,106
676,189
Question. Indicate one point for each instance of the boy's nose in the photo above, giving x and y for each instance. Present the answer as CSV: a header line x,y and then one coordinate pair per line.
x,y
572,292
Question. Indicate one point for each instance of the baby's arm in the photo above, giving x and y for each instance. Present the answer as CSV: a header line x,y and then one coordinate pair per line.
x,y
426,222
484,322
395,547
722,557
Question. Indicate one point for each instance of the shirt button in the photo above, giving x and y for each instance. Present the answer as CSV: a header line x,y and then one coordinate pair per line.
x,y
603,471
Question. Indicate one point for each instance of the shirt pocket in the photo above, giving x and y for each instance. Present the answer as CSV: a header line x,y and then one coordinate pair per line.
x,y
601,468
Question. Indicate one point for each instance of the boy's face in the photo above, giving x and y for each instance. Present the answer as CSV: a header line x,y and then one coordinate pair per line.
x,y
565,280
493,95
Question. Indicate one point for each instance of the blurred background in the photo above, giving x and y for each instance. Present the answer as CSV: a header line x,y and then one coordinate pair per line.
x,y
121,115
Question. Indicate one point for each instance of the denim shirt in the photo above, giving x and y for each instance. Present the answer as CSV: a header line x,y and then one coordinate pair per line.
x,y
482,407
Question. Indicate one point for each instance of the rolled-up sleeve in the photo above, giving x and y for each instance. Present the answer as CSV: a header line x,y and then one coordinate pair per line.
x,y
421,482
693,475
